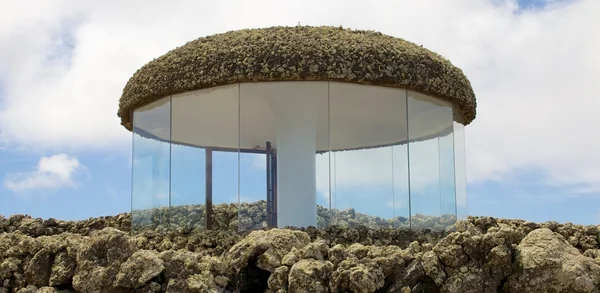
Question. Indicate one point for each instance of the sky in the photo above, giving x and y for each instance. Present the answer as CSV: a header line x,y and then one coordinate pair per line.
x,y
531,153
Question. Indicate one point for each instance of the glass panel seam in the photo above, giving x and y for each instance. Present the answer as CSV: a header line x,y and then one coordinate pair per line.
x,y
454,167
239,204
464,164
393,186
408,161
170,158
329,140
440,181
132,174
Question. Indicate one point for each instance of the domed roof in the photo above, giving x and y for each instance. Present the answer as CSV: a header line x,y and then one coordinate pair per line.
x,y
300,53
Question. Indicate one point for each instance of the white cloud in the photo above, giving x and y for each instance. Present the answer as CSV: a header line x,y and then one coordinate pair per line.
x,y
52,172
534,72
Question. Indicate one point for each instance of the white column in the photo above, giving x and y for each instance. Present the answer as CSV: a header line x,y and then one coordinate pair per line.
x,y
296,128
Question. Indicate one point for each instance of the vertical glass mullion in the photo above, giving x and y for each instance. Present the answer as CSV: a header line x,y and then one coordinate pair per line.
x,y
132,174
408,145
170,158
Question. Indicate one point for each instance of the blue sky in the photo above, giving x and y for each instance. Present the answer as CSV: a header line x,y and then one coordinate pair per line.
x,y
63,153
104,189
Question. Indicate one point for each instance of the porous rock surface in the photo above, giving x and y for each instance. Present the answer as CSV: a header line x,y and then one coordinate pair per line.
x,y
300,53
483,254
249,216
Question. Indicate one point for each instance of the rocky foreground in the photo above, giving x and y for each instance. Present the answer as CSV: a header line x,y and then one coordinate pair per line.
x,y
253,216
483,254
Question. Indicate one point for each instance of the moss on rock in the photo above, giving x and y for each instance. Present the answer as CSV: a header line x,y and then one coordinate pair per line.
x,y
300,53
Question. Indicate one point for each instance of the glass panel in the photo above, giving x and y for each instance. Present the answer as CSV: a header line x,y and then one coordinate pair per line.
x,y
151,167
460,171
428,120
225,189
368,165
329,215
188,186
447,180
323,189
401,200
322,160
205,159
256,131
253,192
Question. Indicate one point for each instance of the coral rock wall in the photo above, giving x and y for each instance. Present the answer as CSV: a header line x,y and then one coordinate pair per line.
x,y
482,255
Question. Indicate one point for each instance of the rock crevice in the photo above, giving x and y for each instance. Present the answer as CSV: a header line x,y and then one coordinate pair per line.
x,y
482,254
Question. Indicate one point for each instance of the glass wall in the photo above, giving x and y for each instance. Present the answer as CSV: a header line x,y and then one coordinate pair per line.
x,y
323,157
151,162
431,163
204,187
253,142
253,192
401,196
325,199
368,169
188,187
253,155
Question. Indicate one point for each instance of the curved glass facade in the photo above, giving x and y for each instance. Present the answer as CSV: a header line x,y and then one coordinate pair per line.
x,y
253,155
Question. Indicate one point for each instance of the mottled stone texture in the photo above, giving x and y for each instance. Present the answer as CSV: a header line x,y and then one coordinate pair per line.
x,y
249,216
297,54
482,254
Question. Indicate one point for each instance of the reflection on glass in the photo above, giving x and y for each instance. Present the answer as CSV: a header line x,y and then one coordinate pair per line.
x,y
323,190
430,188
242,159
151,167
225,190
188,186
253,192
323,160
424,182
460,171
447,180
364,188
367,126
204,158
401,196
256,133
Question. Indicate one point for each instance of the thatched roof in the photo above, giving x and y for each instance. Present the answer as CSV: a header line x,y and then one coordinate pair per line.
x,y
296,54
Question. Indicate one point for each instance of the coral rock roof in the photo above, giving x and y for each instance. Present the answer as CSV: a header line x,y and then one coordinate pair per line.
x,y
295,54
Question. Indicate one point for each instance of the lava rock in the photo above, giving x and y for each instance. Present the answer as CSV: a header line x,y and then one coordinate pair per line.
x,y
547,262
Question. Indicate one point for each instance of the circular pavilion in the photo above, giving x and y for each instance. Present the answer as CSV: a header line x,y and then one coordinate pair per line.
x,y
298,126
